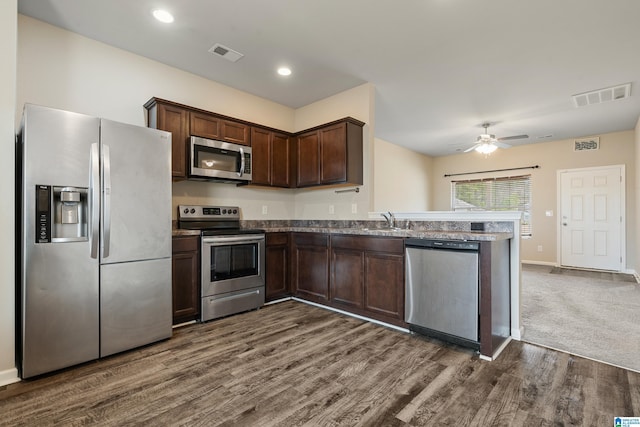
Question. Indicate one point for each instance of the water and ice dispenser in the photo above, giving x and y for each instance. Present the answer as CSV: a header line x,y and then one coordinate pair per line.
x,y
61,214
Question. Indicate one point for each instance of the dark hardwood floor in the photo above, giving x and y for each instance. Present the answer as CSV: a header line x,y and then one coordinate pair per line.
x,y
293,364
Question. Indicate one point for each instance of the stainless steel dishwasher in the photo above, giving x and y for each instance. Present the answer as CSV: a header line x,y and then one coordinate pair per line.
x,y
442,290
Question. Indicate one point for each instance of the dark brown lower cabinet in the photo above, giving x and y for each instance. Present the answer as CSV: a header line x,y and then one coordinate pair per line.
x,y
310,266
367,276
277,266
185,261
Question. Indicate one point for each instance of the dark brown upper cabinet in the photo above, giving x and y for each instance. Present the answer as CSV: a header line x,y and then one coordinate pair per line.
x,y
330,154
273,158
184,121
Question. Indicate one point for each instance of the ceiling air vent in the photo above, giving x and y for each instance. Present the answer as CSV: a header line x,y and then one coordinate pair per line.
x,y
586,144
602,95
226,52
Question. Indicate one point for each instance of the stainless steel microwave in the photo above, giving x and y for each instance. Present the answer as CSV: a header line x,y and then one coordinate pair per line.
x,y
221,161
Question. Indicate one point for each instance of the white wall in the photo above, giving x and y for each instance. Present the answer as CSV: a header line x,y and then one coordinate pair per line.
x,y
616,148
314,204
64,70
8,32
402,179
637,192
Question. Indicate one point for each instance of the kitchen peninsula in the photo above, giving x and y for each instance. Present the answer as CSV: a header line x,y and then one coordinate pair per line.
x,y
357,266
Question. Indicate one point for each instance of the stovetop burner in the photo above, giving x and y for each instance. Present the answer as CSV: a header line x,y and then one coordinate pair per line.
x,y
212,220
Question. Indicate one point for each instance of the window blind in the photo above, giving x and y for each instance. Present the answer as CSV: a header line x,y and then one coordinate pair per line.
x,y
495,194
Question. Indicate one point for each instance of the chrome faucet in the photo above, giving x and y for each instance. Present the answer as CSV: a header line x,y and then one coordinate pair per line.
x,y
391,220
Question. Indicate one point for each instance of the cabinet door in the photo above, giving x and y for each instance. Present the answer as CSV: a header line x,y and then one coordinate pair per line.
x,y
384,284
308,162
204,125
176,120
185,279
235,132
261,156
333,154
347,277
277,266
310,266
280,160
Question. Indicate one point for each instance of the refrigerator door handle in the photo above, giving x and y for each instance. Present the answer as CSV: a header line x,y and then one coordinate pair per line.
x,y
94,190
106,203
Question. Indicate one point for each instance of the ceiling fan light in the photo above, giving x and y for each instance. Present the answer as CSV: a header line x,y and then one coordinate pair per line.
x,y
486,148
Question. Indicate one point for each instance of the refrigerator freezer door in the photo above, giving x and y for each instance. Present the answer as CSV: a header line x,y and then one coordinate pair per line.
x,y
137,193
135,300
59,281
59,308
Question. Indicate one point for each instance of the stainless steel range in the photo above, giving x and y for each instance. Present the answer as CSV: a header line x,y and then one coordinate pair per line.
x,y
232,268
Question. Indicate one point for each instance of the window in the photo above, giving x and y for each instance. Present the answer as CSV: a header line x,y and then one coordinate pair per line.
x,y
495,194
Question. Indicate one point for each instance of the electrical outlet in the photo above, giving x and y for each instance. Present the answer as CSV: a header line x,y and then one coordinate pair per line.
x,y
354,208
264,210
539,248
332,209
548,213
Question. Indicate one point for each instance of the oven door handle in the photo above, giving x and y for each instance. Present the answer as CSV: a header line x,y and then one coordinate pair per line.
x,y
215,241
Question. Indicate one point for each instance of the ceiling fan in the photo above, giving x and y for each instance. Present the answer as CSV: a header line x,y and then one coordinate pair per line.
x,y
488,143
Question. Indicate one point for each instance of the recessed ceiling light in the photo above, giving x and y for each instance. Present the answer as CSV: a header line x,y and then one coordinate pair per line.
x,y
284,71
163,16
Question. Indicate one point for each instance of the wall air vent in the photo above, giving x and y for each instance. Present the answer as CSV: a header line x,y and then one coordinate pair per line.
x,y
226,52
586,144
602,95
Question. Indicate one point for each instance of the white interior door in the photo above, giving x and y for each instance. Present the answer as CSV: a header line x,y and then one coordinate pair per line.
x,y
592,206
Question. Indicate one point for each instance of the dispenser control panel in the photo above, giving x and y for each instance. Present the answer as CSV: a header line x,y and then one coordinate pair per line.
x,y
43,213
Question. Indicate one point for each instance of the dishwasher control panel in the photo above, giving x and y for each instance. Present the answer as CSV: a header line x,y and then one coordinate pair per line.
x,y
443,244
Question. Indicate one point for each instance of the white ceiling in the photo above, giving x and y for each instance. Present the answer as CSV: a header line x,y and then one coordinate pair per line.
x,y
440,67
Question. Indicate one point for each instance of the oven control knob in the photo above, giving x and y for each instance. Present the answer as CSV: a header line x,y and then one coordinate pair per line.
x,y
193,210
235,211
224,211
186,210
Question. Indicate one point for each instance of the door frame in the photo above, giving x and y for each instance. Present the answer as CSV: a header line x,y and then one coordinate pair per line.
x,y
623,213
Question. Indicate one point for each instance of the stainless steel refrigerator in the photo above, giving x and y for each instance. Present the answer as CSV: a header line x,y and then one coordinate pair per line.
x,y
94,206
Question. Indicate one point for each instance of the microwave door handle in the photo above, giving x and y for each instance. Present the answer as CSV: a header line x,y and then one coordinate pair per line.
x,y
241,172
94,204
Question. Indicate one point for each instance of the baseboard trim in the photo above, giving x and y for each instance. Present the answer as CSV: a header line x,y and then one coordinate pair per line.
x,y
550,264
517,333
497,352
9,376
357,316
278,300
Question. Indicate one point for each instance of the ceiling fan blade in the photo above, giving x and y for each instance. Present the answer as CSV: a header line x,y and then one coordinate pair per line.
x,y
509,138
501,144
472,148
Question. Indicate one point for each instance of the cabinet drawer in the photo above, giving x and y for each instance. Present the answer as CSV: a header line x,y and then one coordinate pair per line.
x,y
275,239
394,245
185,244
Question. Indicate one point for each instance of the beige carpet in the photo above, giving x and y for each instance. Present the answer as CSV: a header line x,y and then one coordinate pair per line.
x,y
590,314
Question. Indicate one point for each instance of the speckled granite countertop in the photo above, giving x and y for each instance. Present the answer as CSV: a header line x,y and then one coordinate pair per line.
x,y
421,234
423,230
